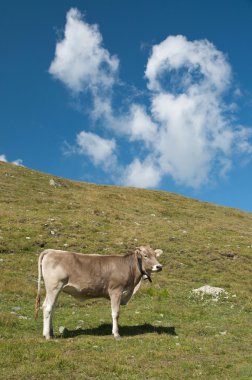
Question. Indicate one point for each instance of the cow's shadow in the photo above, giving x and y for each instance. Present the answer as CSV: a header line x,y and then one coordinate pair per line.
x,y
105,329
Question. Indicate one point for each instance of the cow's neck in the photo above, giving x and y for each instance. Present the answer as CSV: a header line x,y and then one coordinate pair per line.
x,y
144,274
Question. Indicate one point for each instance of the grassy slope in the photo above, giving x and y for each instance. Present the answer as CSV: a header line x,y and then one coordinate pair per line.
x,y
168,334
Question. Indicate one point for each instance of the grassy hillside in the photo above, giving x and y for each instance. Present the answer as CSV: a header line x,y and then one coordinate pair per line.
x,y
167,332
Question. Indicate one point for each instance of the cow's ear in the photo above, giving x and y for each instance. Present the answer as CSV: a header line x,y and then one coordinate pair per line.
x,y
138,251
158,252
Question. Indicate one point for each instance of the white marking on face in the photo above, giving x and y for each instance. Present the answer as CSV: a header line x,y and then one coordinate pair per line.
x,y
157,268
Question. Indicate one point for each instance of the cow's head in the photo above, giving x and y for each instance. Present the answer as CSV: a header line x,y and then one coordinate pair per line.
x,y
147,260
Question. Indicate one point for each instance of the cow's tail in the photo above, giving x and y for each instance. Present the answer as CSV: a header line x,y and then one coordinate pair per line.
x,y
38,298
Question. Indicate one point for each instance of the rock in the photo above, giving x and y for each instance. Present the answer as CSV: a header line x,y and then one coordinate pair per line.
x,y
52,182
16,308
210,290
172,238
230,255
23,317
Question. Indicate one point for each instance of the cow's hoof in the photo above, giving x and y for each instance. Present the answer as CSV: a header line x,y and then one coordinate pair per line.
x,y
48,337
117,337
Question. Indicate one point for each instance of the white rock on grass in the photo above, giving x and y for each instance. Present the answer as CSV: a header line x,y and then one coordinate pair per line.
x,y
16,308
210,291
52,182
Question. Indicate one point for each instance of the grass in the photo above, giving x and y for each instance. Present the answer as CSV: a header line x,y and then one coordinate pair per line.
x,y
167,332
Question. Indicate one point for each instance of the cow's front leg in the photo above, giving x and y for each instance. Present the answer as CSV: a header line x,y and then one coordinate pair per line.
x,y
115,297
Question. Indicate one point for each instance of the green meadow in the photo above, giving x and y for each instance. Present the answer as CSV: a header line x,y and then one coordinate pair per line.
x,y
168,332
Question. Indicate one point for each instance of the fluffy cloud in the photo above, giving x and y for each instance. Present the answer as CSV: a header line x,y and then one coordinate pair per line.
x,y
142,174
185,129
195,139
3,158
80,61
17,162
139,126
99,150
200,58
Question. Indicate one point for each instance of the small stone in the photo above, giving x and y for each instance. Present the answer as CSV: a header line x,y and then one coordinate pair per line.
x,y
230,255
16,308
28,238
52,182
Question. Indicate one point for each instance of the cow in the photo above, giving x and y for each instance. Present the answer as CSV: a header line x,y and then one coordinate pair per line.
x,y
87,276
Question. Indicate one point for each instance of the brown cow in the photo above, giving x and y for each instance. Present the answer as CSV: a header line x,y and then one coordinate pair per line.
x,y
91,276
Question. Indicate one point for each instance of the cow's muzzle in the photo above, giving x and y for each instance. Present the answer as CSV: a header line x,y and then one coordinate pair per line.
x,y
157,268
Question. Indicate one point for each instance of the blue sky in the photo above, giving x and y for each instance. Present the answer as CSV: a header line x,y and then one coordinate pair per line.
x,y
154,94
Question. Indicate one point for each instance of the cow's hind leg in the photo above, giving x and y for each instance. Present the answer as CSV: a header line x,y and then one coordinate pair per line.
x,y
51,297
115,308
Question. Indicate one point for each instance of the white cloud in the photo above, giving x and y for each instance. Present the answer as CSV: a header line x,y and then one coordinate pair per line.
x,y
196,138
142,174
193,139
80,61
3,158
199,57
139,125
187,132
101,151
17,162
